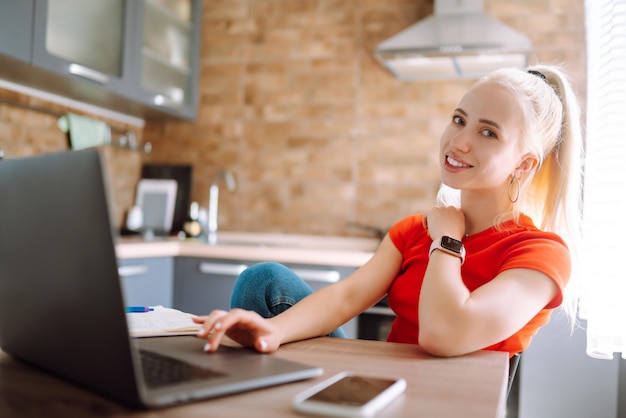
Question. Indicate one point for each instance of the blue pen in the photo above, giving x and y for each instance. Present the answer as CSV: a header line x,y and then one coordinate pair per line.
x,y
139,309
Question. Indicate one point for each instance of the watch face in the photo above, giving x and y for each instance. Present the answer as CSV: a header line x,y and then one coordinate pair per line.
x,y
451,244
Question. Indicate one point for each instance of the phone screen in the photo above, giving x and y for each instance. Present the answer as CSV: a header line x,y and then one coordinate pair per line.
x,y
352,390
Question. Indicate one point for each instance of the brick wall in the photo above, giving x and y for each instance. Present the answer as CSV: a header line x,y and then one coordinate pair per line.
x,y
316,133
28,125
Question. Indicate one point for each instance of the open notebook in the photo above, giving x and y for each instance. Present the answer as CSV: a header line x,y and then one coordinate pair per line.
x,y
161,322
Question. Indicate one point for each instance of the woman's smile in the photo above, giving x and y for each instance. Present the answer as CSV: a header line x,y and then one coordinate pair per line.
x,y
455,163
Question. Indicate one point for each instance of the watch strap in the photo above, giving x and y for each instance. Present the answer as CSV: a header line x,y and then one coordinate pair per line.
x,y
443,244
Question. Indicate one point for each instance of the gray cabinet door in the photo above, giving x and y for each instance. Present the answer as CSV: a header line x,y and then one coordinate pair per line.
x,y
203,285
16,20
106,53
166,55
321,276
147,281
85,40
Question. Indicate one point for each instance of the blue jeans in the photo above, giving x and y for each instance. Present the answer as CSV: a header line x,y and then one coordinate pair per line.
x,y
270,288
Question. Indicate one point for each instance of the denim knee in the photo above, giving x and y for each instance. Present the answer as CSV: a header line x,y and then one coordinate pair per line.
x,y
268,288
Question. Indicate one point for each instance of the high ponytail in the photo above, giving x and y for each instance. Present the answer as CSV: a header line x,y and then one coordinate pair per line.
x,y
560,176
552,195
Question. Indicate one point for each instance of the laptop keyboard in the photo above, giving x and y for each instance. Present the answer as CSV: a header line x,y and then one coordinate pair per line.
x,y
159,370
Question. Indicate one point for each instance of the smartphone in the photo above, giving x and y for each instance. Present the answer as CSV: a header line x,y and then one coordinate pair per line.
x,y
349,395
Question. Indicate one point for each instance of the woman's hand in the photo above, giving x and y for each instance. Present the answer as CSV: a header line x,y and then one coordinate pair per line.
x,y
447,220
244,327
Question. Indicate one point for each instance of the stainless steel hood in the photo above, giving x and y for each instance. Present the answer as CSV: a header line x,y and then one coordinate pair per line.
x,y
458,41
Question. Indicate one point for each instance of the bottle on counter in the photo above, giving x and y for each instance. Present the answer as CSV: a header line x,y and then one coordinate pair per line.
x,y
134,219
192,226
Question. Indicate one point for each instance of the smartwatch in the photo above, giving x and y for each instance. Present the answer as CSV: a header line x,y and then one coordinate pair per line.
x,y
449,245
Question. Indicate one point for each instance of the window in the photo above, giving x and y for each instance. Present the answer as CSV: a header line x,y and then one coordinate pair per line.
x,y
603,301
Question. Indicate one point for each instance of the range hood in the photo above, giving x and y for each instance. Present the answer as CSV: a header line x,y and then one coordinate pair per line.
x,y
458,41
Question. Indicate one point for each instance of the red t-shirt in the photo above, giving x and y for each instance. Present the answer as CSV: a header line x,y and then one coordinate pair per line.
x,y
489,253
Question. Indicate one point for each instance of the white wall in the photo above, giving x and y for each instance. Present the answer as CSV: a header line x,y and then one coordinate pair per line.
x,y
558,380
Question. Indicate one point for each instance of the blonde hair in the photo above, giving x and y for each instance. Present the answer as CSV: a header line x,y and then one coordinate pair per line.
x,y
552,194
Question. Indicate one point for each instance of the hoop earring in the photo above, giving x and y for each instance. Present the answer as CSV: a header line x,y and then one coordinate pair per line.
x,y
514,180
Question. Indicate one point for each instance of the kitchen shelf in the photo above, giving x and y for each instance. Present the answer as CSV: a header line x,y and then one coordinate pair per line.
x,y
151,55
168,14
166,34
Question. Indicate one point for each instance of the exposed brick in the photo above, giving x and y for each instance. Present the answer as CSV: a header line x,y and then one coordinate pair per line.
x,y
317,133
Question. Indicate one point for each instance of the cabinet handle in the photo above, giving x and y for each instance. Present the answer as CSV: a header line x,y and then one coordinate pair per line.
x,y
88,73
380,310
324,276
137,270
161,100
225,269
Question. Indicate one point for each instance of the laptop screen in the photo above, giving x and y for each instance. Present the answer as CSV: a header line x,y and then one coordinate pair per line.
x,y
61,305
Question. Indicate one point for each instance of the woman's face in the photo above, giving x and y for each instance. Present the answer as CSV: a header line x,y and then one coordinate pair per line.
x,y
479,148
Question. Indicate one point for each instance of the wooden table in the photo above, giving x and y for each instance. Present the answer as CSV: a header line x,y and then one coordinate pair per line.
x,y
469,386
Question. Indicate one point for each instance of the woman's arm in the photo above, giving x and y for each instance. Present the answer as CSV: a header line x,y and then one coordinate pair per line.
x,y
454,321
318,314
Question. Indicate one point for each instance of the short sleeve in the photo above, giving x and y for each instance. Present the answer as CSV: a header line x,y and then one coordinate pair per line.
x,y
547,254
402,232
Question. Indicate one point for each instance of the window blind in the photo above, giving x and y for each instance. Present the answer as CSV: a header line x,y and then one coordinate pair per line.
x,y
603,267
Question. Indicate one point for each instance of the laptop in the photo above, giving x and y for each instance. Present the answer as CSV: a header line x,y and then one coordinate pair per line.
x,y
61,303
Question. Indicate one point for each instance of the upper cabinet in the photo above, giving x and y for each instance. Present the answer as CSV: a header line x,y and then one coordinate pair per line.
x,y
87,39
169,53
138,57
16,28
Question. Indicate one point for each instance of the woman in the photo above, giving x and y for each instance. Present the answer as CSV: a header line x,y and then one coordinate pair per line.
x,y
475,274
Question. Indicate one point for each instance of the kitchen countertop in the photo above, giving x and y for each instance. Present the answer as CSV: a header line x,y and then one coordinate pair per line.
x,y
284,248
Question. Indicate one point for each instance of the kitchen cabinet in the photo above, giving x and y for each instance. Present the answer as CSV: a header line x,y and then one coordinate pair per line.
x,y
15,28
375,323
138,57
205,284
147,281
168,55
85,39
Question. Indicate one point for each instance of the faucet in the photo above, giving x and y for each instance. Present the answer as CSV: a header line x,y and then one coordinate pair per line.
x,y
214,192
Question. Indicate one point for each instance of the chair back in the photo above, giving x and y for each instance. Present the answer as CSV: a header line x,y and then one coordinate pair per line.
x,y
513,365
